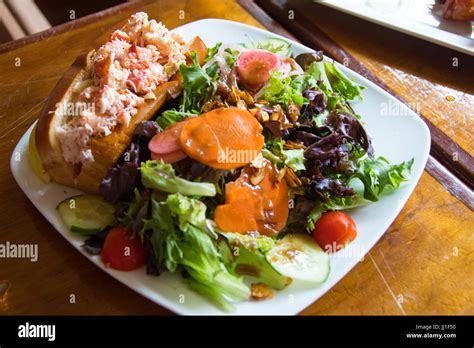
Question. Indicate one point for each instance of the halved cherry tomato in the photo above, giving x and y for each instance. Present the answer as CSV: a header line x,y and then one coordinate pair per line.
x,y
334,230
167,141
121,252
253,67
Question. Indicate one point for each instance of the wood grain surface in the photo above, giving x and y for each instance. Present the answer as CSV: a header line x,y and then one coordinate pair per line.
x,y
422,265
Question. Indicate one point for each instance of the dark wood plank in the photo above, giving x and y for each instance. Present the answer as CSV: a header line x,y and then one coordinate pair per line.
x,y
74,24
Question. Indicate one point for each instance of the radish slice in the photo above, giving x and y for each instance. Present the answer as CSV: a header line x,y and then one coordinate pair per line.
x,y
171,157
167,141
254,67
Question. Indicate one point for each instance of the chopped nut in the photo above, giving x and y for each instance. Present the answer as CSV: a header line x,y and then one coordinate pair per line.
x,y
207,107
223,89
260,291
305,180
293,63
253,111
291,145
292,179
281,174
233,96
258,161
277,114
241,105
293,112
262,116
246,97
257,178
211,105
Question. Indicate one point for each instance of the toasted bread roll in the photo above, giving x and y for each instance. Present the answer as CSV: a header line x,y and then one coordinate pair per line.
x,y
105,150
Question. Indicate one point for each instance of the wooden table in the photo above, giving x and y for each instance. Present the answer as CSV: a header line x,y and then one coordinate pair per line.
x,y
422,265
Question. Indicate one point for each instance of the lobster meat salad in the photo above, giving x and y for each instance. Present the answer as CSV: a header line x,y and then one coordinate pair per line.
x,y
238,179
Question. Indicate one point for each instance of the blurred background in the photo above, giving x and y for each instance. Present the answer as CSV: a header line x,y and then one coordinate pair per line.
x,y
20,18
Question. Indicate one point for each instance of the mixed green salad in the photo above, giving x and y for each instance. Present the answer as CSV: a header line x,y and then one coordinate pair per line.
x,y
240,183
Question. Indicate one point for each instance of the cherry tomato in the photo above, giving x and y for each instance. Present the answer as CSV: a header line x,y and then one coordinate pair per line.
x,y
334,230
254,67
121,252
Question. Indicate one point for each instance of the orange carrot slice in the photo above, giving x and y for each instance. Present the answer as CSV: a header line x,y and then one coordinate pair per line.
x,y
224,138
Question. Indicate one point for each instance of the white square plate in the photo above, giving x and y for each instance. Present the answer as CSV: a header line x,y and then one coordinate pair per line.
x,y
399,138
419,18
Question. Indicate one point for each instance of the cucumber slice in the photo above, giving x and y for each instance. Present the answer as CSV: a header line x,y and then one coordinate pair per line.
x,y
275,45
86,214
297,256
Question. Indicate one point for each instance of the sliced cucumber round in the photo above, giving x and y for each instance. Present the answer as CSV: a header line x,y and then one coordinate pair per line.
x,y
297,256
86,214
276,45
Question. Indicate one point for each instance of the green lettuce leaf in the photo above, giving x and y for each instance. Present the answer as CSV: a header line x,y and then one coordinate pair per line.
x,y
275,45
334,204
165,236
200,256
213,51
190,211
161,176
283,90
380,177
129,216
316,72
180,241
294,159
230,56
172,116
198,86
274,151
349,89
337,87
